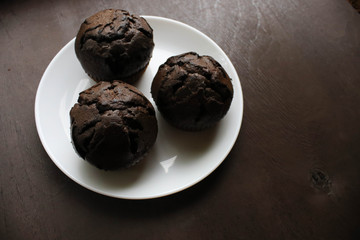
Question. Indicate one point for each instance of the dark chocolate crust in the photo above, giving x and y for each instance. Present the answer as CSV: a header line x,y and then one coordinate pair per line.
x,y
113,125
192,92
114,45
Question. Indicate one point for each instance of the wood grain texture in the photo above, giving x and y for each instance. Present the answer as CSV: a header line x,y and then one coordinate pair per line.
x,y
293,172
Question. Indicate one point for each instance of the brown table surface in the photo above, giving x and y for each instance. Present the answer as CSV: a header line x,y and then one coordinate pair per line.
x,y
293,172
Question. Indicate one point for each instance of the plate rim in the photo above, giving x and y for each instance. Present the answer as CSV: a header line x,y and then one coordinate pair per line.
x,y
153,196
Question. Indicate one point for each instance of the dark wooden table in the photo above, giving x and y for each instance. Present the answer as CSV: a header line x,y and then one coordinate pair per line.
x,y
294,172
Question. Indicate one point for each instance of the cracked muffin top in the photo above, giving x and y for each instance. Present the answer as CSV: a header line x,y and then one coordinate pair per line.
x,y
113,125
114,45
192,92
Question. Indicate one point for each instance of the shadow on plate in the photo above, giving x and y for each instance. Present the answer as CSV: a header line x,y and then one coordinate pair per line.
x,y
188,144
113,180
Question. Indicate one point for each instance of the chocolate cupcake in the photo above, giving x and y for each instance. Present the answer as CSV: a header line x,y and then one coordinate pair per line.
x,y
114,45
113,125
192,92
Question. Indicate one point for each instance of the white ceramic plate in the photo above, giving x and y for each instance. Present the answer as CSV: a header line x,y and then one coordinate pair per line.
x,y
178,159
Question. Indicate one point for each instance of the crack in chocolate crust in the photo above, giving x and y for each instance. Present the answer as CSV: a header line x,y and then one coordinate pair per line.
x,y
117,28
191,70
192,92
114,44
132,123
111,93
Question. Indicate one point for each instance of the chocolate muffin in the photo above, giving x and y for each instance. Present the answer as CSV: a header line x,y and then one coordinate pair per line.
x,y
113,125
114,44
192,92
